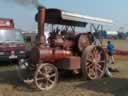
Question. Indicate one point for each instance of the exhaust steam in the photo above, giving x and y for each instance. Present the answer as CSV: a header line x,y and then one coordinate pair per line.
x,y
34,3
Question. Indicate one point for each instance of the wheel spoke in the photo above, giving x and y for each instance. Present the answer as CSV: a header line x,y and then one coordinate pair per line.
x,y
92,73
41,78
96,53
95,71
89,60
97,56
47,84
53,75
42,85
95,62
101,61
46,69
50,81
91,55
46,76
40,72
98,66
89,66
99,69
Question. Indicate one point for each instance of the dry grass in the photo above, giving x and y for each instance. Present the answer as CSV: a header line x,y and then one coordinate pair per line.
x,y
69,86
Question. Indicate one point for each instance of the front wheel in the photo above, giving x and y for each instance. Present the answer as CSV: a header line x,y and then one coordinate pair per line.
x,y
93,62
46,76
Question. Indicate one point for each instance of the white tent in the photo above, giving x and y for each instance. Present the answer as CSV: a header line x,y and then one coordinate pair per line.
x,y
112,32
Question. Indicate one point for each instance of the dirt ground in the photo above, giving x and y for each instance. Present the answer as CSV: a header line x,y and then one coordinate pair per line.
x,y
69,85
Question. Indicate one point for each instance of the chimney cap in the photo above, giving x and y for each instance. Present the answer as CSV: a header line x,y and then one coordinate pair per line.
x,y
41,7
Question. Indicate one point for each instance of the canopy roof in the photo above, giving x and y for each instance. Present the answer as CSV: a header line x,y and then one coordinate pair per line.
x,y
56,16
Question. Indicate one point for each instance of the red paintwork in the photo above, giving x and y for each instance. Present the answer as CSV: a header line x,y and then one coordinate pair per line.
x,y
61,48
6,23
118,52
121,52
7,49
69,63
51,55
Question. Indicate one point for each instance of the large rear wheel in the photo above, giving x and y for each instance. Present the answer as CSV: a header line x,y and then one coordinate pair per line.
x,y
46,76
93,62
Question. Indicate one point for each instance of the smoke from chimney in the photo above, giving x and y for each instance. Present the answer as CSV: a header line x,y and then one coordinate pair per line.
x,y
34,3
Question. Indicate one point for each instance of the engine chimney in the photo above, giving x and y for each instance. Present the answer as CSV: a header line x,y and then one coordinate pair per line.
x,y
41,22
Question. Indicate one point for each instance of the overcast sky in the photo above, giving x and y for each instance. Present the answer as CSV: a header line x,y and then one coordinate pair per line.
x,y
109,9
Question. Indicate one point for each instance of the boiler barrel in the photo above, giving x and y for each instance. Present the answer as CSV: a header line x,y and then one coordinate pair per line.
x,y
51,55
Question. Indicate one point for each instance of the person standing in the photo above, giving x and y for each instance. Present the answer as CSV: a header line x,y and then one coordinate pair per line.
x,y
110,50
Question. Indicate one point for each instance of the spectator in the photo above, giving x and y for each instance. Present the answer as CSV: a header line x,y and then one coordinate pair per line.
x,y
110,50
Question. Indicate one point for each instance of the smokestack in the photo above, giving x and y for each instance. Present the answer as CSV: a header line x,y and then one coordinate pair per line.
x,y
41,22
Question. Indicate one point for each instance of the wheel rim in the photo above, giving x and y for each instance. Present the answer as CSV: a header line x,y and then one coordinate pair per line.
x,y
46,76
95,63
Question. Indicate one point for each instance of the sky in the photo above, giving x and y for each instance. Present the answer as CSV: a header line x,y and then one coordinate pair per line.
x,y
23,16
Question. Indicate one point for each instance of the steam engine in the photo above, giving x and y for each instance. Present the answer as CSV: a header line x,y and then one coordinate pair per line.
x,y
61,44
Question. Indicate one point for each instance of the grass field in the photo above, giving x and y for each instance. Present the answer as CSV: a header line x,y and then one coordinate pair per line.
x,y
68,86
119,44
71,85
